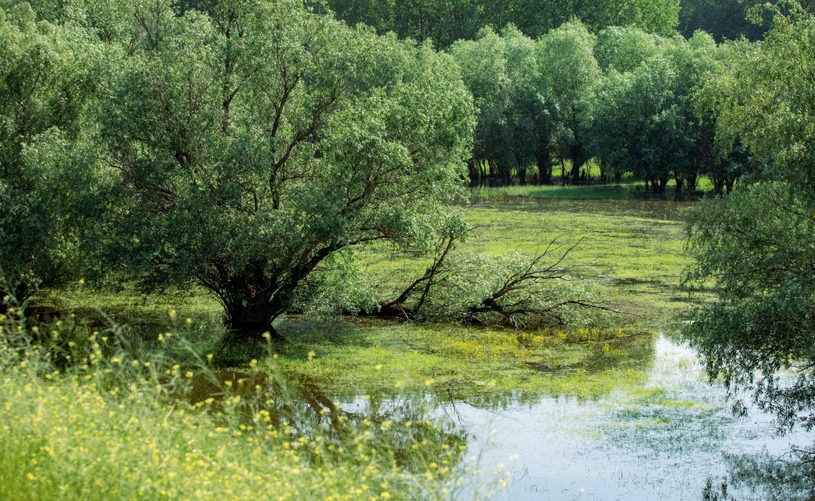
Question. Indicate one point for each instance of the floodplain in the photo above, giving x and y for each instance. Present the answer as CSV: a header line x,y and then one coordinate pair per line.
x,y
610,406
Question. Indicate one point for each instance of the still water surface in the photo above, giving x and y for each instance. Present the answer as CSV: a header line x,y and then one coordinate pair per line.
x,y
660,441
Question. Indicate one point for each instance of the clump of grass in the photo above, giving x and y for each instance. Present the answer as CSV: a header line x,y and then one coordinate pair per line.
x,y
109,426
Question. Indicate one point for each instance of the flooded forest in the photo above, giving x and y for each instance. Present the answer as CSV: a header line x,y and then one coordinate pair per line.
x,y
353,249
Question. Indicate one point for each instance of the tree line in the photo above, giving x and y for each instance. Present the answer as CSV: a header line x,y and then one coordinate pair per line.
x,y
560,83
623,97
445,21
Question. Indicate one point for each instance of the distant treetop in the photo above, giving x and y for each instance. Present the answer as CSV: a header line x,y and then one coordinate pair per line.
x,y
448,21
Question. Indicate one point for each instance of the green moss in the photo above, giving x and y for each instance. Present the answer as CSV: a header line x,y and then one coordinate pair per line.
x,y
635,246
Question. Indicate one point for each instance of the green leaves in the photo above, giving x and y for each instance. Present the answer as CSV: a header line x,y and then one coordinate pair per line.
x,y
766,99
519,119
46,84
450,21
248,144
640,117
755,246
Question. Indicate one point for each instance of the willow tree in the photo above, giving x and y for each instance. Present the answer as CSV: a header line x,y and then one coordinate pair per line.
x,y
248,142
757,245
570,70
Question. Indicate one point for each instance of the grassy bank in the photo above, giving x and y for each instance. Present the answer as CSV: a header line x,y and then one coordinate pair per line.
x,y
111,427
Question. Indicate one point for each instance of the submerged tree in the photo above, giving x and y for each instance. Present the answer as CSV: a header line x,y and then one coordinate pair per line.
x,y
247,142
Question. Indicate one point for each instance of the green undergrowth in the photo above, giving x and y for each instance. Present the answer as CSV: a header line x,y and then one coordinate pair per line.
x,y
127,305
633,249
105,425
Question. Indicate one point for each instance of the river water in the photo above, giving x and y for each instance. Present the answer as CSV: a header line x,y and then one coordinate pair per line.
x,y
663,440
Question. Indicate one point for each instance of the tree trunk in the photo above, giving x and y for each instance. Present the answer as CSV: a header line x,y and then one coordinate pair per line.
x,y
249,318
691,182
576,154
252,314
544,169
251,300
575,172
474,178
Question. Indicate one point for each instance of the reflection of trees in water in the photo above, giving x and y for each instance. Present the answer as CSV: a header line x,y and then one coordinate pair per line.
x,y
399,426
787,478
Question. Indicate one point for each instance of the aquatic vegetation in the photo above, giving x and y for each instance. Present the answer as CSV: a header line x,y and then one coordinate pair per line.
x,y
483,366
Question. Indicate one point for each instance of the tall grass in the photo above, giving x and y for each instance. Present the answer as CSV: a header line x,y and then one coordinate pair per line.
x,y
82,418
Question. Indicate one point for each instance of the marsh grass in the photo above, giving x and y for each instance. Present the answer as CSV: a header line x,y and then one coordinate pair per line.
x,y
123,403
635,246
115,427
619,191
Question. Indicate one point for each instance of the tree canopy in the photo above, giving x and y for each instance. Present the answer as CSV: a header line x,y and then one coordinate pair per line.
x,y
447,22
517,115
246,143
46,85
755,245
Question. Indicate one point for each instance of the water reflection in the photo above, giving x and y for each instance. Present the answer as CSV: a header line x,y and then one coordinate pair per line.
x,y
662,439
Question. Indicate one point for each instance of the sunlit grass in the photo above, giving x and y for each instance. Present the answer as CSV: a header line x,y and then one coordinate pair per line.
x,y
479,365
636,247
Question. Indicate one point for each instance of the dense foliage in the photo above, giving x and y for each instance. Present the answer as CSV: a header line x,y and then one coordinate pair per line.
x,y
447,22
624,97
233,145
242,146
756,245
247,144
47,77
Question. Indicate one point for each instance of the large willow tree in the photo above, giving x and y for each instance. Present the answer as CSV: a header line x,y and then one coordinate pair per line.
x,y
246,142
